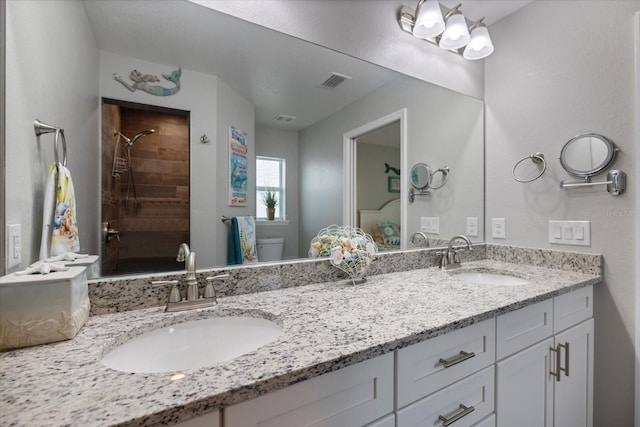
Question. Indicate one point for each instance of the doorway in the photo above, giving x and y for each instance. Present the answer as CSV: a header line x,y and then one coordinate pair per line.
x,y
145,187
373,188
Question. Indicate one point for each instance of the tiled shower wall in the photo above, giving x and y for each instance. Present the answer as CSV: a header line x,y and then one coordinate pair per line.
x,y
153,224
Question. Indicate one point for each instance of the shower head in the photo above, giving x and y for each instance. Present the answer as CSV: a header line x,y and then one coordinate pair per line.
x,y
140,135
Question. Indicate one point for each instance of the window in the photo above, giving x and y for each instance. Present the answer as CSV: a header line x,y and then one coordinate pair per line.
x,y
270,174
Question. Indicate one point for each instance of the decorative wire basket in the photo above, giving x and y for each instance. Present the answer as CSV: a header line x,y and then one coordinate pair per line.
x,y
348,248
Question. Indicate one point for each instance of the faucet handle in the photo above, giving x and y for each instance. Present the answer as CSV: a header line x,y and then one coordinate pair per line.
x,y
209,290
174,296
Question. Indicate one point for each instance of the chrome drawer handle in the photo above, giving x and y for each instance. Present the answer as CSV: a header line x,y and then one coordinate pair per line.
x,y
465,411
557,373
447,363
559,367
566,359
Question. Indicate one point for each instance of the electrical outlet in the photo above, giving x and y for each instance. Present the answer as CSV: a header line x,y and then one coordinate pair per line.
x,y
430,224
472,227
14,245
498,228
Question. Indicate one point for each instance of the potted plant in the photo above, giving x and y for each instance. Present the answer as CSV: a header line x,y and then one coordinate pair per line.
x,y
270,201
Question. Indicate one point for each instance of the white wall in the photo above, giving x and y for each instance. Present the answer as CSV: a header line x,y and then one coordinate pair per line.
x,y
233,110
371,179
559,69
282,144
444,129
198,96
367,30
53,76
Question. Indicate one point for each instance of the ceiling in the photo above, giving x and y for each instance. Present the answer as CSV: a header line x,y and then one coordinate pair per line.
x,y
278,73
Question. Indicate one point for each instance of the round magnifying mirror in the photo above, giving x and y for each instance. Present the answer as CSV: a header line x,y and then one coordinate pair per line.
x,y
420,175
587,154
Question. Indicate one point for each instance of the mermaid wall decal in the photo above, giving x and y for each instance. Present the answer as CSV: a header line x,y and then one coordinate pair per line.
x,y
143,82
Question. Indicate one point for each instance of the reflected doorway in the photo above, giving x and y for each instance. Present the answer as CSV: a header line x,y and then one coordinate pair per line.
x,y
378,185
145,187
374,156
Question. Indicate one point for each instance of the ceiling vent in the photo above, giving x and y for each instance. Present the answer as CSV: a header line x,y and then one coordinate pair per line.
x,y
334,80
284,119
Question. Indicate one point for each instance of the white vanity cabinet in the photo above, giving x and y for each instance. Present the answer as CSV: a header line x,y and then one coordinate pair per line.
x,y
530,367
544,372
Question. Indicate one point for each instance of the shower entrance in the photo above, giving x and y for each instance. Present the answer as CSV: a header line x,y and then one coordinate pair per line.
x,y
145,187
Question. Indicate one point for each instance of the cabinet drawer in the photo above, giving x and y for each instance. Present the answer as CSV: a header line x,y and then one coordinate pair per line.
x,y
353,396
476,391
522,328
572,308
421,367
388,421
490,421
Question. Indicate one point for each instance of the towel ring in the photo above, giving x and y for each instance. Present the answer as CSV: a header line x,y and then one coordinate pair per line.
x,y
445,177
535,158
60,135
41,128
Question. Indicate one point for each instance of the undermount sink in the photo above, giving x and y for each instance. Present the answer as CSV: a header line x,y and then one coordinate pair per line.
x,y
489,278
192,345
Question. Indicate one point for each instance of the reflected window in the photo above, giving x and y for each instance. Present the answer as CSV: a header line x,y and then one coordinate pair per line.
x,y
270,176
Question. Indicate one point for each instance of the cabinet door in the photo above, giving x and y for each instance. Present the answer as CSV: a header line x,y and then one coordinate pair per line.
x,y
574,392
524,395
212,419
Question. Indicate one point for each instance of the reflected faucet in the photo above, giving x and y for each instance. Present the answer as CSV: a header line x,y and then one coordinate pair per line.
x,y
417,236
450,258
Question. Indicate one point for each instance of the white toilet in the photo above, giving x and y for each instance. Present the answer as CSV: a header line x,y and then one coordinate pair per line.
x,y
270,249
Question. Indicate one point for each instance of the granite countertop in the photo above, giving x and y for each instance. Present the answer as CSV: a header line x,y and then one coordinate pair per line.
x,y
326,327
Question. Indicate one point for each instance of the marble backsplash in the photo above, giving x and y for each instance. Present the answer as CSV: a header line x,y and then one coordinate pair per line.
x,y
138,292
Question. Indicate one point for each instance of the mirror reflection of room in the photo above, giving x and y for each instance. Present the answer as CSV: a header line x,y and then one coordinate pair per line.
x,y
378,177
145,187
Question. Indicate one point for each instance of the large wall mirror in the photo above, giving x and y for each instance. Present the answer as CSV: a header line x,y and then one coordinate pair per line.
x,y
296,101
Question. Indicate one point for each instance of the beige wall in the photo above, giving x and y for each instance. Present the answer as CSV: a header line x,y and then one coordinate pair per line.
x,y
559,69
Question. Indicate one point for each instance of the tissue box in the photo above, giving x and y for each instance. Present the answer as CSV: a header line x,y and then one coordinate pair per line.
x,y
42,308
91,263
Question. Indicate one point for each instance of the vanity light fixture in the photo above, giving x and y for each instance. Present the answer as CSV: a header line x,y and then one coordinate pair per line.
x,y
480,45
456,34
452,32
429,20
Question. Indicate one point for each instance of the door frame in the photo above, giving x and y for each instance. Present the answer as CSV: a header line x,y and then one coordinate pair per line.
x,y
636,27
349,169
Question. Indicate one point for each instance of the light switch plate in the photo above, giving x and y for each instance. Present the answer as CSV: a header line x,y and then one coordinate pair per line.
x,y
576,233
430,224
472,226
498,228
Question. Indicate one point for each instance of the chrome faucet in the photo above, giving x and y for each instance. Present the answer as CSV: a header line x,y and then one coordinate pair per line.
x,y
189,257
450,258
192,297
420,235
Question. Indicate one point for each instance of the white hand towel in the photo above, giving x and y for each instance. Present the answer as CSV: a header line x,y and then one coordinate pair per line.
x,y
60,227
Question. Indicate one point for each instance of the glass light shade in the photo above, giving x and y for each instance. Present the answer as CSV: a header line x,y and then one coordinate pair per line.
x,y
480,45
429,22
456,34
